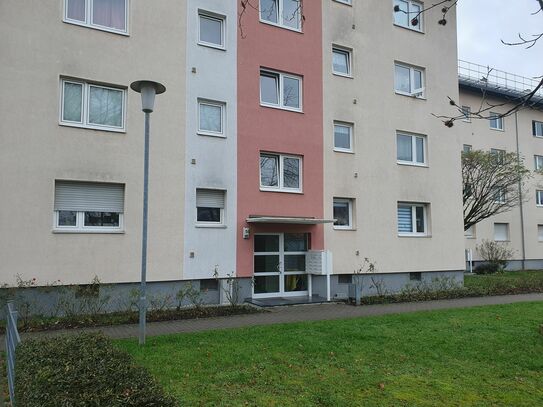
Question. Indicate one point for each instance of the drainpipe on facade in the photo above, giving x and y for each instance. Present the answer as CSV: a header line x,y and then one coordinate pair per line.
x,y
522,242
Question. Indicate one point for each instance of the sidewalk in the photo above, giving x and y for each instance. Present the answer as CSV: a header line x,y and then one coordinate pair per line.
x,y
289,314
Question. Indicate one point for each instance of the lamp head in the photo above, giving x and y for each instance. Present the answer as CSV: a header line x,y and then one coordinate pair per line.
x,y
148,90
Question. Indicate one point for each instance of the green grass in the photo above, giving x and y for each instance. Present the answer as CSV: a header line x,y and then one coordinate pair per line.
x,y
484,356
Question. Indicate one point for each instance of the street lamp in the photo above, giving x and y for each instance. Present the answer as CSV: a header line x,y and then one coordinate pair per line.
x,y
148,90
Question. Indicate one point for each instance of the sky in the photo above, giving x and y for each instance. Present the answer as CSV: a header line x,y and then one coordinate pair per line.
x,y
482,24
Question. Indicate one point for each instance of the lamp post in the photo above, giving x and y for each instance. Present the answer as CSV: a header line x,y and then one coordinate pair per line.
x,y
148,90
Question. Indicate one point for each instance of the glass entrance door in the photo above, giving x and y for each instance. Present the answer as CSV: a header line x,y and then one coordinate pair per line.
x,y
279,264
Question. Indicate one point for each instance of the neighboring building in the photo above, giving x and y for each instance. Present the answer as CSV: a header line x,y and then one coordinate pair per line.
x,y
521,133
289,144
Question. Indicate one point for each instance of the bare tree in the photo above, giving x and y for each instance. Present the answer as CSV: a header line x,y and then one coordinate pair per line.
x,y
493,184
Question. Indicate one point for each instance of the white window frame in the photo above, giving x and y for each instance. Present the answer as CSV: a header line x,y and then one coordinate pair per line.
x,y
538,162
350,126
466,112
413,206
80,225
85,96
88,18
500,195
539,198
349,201
349,53
499,153
279,22
409,26
416,93
413,149
203,224
281,76
281,187
214,103
467,148
496,116
217,17
508,232
535,125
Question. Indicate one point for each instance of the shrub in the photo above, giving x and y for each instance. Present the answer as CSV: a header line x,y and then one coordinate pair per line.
x,y
487,268
82,370
496,253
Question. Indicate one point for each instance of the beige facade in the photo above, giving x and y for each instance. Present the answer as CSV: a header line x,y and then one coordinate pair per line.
x,y
371,176
38,49
523,231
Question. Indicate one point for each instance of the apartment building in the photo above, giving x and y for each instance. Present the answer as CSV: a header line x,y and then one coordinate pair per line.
x,y
522,227
293,142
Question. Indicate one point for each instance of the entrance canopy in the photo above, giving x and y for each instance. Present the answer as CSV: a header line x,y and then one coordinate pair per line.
x,y
290,220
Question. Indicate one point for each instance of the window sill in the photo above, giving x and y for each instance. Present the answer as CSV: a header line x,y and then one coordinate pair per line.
x,y
410,95
409,164
342,75
284,27
409,28
282,191
339,150
414,235
470,237
209,226
213,46
97,27
90,231
206,134
96,128
502,130
345,229
282,108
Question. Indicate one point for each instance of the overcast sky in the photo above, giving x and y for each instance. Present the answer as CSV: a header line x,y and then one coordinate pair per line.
x,y
482,24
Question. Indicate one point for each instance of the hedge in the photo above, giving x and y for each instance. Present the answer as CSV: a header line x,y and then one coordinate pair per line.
x,y
82,370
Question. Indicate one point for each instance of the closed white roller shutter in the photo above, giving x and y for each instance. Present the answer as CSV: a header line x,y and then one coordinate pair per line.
x,y
89,196
209,198
501,232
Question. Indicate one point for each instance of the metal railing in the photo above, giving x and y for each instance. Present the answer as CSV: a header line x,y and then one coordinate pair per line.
x,y
12,340
484,75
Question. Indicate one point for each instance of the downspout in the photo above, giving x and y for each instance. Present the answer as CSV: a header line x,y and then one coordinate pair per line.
x,y
522,240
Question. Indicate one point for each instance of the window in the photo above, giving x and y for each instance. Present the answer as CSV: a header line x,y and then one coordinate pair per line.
x,y
209,285
341,61
411,149
470,232
499,154
412,219
537,128
211,118
345,279
109,15
280,90
210,207
409,80
538,162
280,173
343,213
539,197
343,137
540,232
467,148
284,13
211,30
417,276
466,113
500,195
496,121
408,14
501,232
88,206
93,106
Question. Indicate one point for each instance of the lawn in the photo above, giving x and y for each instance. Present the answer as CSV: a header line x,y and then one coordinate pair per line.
x,y
484,356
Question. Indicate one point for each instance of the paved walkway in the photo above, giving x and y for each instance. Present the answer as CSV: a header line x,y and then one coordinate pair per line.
x,y
291,314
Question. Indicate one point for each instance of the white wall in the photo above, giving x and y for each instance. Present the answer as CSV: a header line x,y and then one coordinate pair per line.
x,y
216,158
